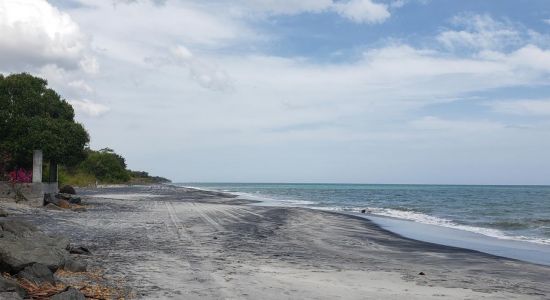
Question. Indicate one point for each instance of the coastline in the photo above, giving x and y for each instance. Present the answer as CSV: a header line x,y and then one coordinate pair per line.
x,y
522,250
170,242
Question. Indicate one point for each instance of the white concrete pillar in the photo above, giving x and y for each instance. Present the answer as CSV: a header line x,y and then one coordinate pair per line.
x,y
37,166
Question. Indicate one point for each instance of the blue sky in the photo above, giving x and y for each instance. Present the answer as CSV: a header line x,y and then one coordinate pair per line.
x,y
365,91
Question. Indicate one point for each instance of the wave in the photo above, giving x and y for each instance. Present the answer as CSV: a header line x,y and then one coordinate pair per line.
x,y
431,220
270,200
402,213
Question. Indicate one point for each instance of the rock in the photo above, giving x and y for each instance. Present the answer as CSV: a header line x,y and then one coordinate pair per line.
x,y
422,273
75,200
64,203
3,213
18,228
22,245
9,296
49,199
73,265
67,189
79,250
63,196
11,288
52,206
363,211
37,274
69,294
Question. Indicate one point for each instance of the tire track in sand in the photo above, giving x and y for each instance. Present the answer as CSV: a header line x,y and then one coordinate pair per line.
x,y
201,264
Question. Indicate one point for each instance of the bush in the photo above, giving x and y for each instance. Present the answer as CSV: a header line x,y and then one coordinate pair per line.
x,y
106,166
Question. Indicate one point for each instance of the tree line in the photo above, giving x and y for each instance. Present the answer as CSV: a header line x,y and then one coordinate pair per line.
x,y
34,116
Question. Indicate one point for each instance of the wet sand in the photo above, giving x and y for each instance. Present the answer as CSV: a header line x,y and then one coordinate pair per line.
x,y
176,243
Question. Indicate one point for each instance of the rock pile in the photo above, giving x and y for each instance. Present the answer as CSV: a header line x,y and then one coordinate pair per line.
x,y
33,257
65,199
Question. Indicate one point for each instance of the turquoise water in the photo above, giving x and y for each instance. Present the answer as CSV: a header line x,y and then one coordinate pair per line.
x,y
520,213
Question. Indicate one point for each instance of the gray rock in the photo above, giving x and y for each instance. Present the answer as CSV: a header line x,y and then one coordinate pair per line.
x,y
70,294
9,296
22,245
79,250
63,196
73,265
75,200
18,228
37,274
67,189
3,213
48,198
10,288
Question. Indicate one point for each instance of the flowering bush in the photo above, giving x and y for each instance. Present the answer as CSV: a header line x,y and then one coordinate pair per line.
x,y
20,176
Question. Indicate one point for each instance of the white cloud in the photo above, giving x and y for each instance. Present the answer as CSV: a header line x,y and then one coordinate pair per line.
x,y
206,74
526,107
480,32
286,6
160,99
435,123
81,86
363,11
34,33
89,108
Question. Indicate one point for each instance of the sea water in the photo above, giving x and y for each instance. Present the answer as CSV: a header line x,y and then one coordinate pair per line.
x,y
507,213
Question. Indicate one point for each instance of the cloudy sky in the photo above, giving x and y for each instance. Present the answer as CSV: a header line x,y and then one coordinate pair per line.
x,y
362,91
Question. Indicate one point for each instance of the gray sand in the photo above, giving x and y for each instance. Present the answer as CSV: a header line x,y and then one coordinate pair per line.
x,y
176,243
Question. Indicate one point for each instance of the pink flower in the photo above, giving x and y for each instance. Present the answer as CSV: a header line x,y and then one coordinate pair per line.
x,y
20,176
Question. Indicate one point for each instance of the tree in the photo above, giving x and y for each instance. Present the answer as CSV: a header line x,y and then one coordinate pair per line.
x,y
106,165
33,116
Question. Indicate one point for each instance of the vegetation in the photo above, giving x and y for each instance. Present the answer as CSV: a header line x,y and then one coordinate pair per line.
x,y
104,166
33,116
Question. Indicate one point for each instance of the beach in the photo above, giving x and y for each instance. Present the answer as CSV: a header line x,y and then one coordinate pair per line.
x,y
168,242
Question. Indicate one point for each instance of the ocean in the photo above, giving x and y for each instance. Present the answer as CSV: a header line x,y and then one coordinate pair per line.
x,y
519,213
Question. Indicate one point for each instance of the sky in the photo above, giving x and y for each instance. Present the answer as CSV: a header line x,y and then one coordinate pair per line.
x,y
342,91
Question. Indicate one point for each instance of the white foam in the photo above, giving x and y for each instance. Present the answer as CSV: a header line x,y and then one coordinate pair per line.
x,y
431,220
387,212
272,201
125,196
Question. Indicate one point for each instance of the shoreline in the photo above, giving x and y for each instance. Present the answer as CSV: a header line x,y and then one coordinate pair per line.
x,y
169,242
526,251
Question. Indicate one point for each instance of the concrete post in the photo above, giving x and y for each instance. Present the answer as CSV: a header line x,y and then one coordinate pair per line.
x,y
37,166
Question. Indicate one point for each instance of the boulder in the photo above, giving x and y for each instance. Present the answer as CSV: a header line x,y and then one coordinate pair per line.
x,y
79,250
18,228
75,200
63,203
37,274
11,290
22,245
73,265
10,296
67,189
63,196
48,198
71,198
69,294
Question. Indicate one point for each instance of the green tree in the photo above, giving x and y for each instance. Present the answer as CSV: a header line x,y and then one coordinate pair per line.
x,y
33,116
106,166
